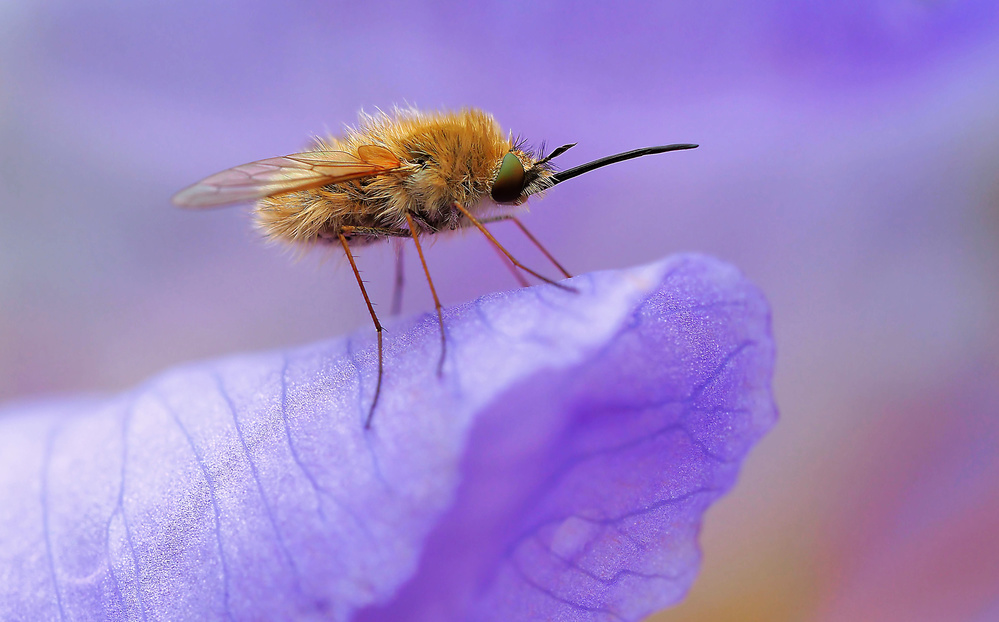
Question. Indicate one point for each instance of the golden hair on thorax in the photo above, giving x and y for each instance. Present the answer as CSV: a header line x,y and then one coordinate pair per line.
x,y
402,175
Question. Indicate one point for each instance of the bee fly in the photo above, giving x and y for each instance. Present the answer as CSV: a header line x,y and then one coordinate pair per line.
x,y
404,175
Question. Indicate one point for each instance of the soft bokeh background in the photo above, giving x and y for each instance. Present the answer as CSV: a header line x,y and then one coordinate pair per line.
x,y
849,165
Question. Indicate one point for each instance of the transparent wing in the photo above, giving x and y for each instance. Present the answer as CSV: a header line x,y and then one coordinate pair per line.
x,y
291,173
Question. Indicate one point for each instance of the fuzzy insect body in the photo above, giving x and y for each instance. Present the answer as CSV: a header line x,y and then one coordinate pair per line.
x,y
404,175
411,162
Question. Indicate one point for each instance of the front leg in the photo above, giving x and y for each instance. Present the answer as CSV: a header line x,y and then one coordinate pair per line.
x,y
478,225
530,237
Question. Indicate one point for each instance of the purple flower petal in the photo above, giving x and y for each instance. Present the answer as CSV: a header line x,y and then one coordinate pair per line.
x,y
558,470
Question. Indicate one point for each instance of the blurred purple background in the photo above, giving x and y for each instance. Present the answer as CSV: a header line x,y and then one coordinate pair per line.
x,y
848,165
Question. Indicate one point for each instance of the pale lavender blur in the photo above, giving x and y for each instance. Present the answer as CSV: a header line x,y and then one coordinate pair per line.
x,y
848,165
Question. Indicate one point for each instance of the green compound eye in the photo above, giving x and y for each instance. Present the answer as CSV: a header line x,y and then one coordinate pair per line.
x,y
509,182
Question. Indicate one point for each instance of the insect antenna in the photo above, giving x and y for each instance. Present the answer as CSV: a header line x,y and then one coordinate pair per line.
x,y
558,178
554,154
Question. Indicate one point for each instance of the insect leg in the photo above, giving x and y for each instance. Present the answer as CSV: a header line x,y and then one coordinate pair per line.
x,y
532,239
378,328
400,279
437,302
512,268
380,232
482,228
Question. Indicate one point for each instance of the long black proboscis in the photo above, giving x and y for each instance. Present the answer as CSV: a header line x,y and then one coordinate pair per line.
x,y
627,155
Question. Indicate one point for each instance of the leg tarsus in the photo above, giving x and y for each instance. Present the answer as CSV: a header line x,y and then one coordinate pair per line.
x,y
533,239
512,268
541,248
482,228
